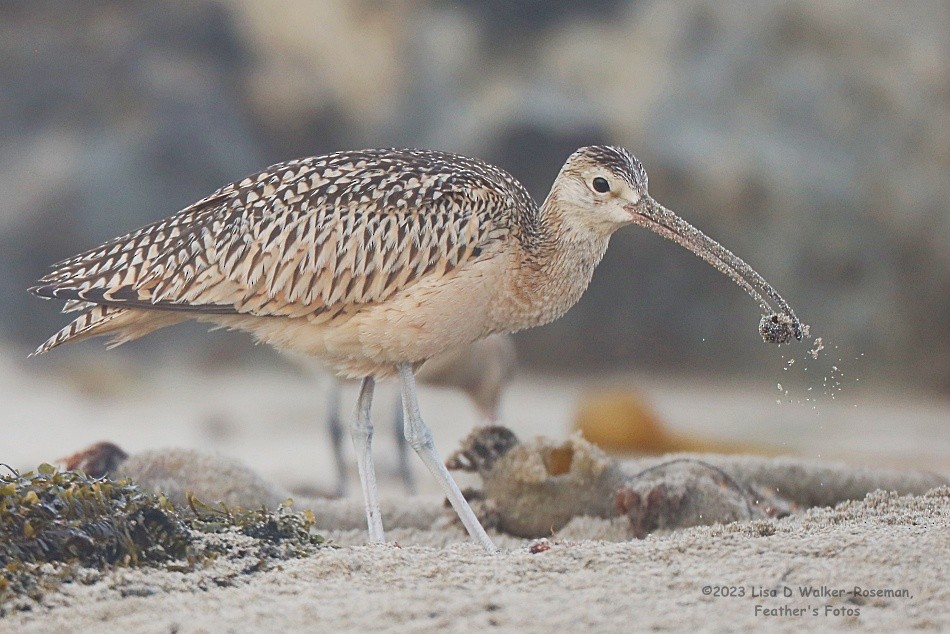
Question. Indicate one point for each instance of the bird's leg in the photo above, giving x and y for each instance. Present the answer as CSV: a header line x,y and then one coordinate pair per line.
x,y
402,447
335,427
419,437
362,432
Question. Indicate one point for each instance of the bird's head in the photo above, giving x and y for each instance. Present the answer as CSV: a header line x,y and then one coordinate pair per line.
x,y
602,188
599,189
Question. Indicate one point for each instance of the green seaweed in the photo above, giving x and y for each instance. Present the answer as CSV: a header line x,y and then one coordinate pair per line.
x,y
58,516
292,531
63,526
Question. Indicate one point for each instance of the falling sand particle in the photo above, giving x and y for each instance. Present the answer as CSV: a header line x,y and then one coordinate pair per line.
x,y
830,369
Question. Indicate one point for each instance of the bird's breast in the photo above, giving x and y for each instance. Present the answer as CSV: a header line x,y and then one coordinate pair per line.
x,y
542,287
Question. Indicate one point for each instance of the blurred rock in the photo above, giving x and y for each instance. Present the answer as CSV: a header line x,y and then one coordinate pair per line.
x,y
810,138
534,488
622,422
112,115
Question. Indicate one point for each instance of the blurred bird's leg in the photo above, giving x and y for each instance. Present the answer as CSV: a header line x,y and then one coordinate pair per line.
x,y
335,427
362,432
402,449
419,437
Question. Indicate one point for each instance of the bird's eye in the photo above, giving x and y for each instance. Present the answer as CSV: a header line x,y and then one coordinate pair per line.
x,y
600,185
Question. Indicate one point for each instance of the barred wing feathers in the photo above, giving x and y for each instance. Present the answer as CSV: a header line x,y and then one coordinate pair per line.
x,y
312,237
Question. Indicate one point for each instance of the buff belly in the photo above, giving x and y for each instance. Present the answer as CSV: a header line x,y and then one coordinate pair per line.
x,y
411,327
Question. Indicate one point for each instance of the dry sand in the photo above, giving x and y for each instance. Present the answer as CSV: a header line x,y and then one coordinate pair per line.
x,y
593,574
885,543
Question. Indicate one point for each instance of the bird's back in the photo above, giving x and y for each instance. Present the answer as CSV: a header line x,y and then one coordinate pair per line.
x,y
316,238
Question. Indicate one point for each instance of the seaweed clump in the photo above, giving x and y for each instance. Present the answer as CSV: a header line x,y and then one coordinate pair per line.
x,y
62,526
53,515
279,534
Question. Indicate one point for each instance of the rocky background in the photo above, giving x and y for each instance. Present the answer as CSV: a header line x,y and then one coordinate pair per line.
x,y
810,137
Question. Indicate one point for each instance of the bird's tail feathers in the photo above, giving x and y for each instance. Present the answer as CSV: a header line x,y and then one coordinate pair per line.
x,y
126,324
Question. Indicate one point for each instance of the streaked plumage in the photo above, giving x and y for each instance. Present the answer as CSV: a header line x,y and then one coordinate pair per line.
x,y
317,240
376,261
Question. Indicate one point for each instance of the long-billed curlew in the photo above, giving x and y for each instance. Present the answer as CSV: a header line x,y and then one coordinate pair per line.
x,y
481,370
377,260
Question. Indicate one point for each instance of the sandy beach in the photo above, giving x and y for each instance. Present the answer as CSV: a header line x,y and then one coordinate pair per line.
x,y
719,578
652,465
429,576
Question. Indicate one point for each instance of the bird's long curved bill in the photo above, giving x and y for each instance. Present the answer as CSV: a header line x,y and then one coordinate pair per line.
x,y
659,219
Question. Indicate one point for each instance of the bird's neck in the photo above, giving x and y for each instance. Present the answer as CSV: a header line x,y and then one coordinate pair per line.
x,y
555,267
